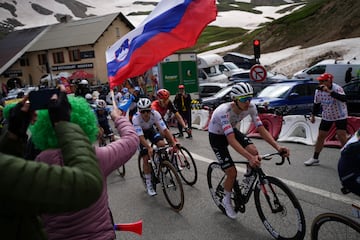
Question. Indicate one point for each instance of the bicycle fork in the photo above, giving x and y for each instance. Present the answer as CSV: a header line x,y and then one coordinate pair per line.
x,y
274,203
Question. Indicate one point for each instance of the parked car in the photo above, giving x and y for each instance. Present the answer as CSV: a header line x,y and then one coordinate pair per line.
x,y
214,101
229,68
241,60
352,91
295,96
258,86
209,89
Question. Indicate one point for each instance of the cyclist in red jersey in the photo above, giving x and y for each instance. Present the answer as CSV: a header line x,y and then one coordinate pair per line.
x,y
163,104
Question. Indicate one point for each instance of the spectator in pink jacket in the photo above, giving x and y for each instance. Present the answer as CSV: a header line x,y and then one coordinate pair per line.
x,y
94,222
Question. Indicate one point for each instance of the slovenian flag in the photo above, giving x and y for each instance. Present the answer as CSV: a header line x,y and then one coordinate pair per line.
x,y
171,26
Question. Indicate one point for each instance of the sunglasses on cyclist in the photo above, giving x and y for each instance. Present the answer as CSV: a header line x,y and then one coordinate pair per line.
x,y
145,111
244,99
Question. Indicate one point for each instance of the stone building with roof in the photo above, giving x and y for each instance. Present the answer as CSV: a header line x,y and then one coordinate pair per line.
x,y
30,54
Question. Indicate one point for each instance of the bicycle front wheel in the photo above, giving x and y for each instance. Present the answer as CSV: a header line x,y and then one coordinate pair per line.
x,y
185,164
154,180
216,178
334,226
279,209
172,186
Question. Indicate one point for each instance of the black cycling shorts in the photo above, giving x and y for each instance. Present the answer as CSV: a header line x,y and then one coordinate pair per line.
x,y
219,145
339,124
154,137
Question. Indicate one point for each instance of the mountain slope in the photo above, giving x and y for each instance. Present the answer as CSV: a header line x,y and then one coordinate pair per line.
x,y
320,21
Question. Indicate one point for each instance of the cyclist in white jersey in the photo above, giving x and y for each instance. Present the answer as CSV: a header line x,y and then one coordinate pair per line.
x,y
145,121
223,132
332,99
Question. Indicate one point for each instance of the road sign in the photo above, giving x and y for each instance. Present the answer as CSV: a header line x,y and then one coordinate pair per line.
x,y
258,73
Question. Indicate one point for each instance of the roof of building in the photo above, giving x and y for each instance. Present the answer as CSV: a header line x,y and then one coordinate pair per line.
x,y
76,33
68,34
16,43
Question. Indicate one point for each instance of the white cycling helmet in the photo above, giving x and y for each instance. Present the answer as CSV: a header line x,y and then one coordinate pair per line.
x,y
88,96
241,90
100,104
144,104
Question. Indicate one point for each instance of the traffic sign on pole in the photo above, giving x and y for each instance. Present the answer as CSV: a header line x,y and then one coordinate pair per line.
x,y
258,73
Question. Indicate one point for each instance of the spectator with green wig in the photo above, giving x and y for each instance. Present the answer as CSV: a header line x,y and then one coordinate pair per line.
x,y
94,222
29,189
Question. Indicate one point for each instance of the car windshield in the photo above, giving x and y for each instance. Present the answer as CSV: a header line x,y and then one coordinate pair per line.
x,y
222,92
275,91
231,66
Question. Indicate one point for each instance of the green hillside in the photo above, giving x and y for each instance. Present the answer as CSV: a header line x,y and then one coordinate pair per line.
x,y
318,22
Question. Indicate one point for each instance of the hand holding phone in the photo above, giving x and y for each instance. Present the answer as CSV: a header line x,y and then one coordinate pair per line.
x,y
40,99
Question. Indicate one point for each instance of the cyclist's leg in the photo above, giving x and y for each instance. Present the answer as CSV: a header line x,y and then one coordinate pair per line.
x,y
246,143
220,147
100,137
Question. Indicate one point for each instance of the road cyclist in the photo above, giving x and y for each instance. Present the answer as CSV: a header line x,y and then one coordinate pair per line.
x,y
149,125
163,104
223,132
102,112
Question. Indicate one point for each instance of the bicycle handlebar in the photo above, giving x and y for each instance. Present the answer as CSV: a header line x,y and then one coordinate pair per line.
x,y
269,157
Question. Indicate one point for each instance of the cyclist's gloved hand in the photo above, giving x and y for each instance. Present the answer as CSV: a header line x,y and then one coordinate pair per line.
x,y
59,108
19,119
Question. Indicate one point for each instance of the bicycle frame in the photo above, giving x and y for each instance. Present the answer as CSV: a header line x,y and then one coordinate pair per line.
x,y
240,199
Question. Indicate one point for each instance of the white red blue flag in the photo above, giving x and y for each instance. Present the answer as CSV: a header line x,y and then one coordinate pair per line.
x,y
171,26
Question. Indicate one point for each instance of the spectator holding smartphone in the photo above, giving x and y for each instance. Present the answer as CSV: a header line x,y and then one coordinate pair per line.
x,y
29,188
95,222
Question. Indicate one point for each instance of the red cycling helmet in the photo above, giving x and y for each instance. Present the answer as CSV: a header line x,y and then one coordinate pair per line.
x,y
325,77
181,86
163,94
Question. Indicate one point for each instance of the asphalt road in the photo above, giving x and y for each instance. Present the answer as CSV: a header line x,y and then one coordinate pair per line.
x,y
317,188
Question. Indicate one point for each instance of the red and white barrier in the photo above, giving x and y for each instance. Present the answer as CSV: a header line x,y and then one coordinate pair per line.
x,y
353,124
271,122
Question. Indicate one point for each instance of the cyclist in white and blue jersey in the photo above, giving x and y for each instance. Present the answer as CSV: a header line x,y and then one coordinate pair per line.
x,y
223,132
147,122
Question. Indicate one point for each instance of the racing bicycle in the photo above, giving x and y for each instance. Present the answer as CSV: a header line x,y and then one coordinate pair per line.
x,y
335,226
163,171
277,206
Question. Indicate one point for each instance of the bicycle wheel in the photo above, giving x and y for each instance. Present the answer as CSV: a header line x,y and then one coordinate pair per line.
x,y
279,209
121,171
216,178
185,164
334,226
172,186
141,172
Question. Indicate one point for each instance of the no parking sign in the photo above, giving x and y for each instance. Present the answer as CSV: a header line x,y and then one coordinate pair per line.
x,y
258,73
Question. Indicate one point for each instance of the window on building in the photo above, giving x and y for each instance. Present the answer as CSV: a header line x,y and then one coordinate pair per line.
x,y
42,59
58,57
74,55
24,61
117,32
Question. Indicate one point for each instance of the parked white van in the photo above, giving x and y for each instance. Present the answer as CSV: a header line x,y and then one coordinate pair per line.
x,y
208,66
335,67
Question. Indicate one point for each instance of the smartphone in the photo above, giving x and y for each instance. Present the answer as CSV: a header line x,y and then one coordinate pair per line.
x,y
40,99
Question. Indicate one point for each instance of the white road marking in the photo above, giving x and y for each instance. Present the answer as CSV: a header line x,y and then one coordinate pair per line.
x,y
300,186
